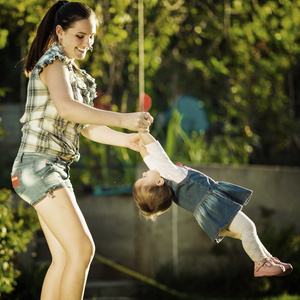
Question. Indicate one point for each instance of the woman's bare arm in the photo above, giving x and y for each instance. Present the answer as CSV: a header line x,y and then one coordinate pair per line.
x,y
56,77
105,135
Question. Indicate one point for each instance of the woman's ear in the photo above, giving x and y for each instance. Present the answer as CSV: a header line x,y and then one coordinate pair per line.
x,y
59,31
160,182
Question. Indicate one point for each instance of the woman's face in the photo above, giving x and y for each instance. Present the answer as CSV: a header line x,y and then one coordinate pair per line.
x,y
77,39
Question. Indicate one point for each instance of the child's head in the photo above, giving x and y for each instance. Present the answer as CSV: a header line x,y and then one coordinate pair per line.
x,y
152,195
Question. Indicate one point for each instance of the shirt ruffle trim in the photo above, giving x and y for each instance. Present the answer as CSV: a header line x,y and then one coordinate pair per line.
x,y
87,86
49,57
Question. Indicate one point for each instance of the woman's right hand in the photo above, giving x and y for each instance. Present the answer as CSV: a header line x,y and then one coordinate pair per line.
x,y
139,121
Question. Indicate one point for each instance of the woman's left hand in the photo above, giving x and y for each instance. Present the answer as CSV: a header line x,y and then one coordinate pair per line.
x,y
133,141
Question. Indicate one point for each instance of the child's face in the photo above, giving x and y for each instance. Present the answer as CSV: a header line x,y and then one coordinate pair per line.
x,y
151,177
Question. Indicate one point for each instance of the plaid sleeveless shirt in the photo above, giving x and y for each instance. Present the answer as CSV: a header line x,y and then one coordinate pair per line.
x,y
44,131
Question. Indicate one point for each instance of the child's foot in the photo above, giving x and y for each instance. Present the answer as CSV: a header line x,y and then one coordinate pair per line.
x,y
267,267
288,267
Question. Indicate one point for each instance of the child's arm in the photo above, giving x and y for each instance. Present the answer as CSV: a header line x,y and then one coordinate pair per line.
x,y
155,157
142,149
147,138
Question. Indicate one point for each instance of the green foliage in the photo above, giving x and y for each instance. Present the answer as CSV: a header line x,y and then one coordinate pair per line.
x,y
29,284
243,70
225,148
16,231
241,57
115,58
3,37
2,132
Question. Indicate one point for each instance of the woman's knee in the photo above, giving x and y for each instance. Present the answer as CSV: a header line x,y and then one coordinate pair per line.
x,y
91,249
85,251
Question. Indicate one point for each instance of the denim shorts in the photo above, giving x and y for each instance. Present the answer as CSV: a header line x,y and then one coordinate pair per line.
x,y
35,176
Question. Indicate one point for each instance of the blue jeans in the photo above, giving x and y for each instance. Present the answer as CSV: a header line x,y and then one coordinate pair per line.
x,y
36,175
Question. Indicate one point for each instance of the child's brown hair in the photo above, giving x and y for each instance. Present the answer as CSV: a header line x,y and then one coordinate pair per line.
x,y
152,200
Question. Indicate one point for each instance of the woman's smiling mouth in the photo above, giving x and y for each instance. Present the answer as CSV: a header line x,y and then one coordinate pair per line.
x,y
81,50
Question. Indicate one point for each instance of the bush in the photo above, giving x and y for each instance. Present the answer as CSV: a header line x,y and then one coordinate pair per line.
x,y
17,226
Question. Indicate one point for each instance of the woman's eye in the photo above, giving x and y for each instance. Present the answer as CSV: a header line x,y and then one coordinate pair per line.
x,y
80,37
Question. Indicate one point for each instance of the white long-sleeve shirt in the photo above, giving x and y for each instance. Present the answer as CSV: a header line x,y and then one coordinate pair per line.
x,y
159,160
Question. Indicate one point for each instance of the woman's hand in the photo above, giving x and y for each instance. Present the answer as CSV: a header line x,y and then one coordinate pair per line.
x,y
139,121
133,140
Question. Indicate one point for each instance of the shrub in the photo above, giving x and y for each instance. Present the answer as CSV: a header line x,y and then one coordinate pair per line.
x,y
17,226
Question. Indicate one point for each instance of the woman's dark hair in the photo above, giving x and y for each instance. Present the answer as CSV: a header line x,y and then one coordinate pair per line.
x,y
62,13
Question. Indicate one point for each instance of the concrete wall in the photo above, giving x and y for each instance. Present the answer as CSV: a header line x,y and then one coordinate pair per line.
x,y
10,115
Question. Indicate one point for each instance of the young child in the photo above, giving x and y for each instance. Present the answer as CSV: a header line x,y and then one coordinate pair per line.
x,y
216,205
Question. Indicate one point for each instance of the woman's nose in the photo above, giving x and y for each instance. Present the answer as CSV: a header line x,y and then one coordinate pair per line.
x,y
86,42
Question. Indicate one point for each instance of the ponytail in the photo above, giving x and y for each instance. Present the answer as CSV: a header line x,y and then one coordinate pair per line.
x,y
44,37
62,13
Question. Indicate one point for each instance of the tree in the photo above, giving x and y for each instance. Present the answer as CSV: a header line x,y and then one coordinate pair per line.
x,y
240,57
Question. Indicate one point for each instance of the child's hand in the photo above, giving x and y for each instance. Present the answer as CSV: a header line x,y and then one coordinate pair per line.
x,y
147,138
141,142
142,148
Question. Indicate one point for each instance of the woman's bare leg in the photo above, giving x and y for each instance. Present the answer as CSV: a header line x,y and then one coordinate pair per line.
x,y
65,225
51,285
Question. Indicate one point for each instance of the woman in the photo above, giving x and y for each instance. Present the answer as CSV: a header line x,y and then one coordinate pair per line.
x,y
59,106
